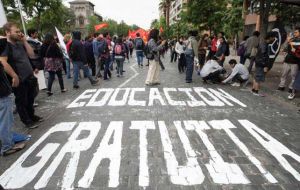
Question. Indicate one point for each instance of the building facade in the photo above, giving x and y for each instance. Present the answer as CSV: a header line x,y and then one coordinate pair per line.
x,y
176,8
82,9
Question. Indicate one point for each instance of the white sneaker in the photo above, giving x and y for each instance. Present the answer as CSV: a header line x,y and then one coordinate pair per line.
x,y
291,96
236,84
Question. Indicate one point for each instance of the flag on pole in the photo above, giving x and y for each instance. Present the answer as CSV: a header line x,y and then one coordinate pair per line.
x,y
100,26
62,43
3,19
161,30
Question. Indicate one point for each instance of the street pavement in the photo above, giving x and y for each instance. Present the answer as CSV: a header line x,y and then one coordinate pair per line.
x,y
125,135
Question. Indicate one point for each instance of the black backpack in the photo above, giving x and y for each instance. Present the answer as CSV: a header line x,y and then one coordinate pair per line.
x,y
139,44
149,54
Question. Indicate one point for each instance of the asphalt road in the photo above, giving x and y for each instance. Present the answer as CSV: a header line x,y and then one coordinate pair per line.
x,y
125,135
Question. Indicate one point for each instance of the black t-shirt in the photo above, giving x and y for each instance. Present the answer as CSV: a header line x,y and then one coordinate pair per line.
x,y
18,59
5,88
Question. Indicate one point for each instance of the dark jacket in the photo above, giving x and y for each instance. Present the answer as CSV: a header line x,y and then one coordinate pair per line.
x,y
77,51
262,56
88,46
51,52
293,57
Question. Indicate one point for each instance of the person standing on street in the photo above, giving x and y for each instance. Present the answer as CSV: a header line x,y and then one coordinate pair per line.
x,y
88,46
17,54
119,53
291,61
191,55
153,55
251,46
179,48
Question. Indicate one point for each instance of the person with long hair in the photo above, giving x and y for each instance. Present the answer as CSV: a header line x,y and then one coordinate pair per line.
x,y
153,49
53,58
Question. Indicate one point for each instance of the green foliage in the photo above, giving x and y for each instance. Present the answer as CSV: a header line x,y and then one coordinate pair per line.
x,y
93,20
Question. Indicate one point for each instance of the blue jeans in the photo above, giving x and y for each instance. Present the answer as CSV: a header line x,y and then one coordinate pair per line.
x,y
189,67
77,66
106,63
6,123
140,56
68,67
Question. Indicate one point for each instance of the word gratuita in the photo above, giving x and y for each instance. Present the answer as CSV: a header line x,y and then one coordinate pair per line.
x,y
192,97
110,147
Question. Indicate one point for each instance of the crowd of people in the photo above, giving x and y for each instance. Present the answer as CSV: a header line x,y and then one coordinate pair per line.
x,y
99,54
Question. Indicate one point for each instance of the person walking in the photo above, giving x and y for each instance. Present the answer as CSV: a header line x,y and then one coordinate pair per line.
x,y
153,49
139,48
53,59
78,57
119,53
191,55
88,46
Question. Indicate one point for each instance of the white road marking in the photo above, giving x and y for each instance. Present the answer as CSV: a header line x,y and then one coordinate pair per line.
x,y
132,77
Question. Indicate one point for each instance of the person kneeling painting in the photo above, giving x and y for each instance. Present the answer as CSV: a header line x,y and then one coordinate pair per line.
x,y
239,74
212,71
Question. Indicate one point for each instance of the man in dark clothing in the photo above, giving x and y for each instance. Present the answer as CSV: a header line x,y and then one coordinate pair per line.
x,y
88,46
139,48
79,60
17,54
220,54
262,62
104,53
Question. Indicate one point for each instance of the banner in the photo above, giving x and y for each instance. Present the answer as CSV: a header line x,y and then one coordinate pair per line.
x,y
100,26
62,43
3,19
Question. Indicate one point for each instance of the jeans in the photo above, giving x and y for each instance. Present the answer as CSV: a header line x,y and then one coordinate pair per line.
x,y
68,67
24,94
181,63
77,66
214,77
52,77
98,67
189,67
106,62
140,56
120,63
6,123
173,56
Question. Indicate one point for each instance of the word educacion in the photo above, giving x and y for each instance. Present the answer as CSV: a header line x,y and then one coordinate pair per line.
x,y
51,155
192,97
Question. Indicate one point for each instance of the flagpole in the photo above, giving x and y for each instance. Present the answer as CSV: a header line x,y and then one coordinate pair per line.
x,y
3,19
23,23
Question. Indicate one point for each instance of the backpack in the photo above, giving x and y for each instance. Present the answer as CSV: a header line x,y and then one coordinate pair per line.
x,y
130,45
241,50
118,49
148,52
227,52
139,44
103,47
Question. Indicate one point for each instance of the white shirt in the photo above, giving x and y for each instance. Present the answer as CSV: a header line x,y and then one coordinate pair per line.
x,y
209,67
238,69
179,48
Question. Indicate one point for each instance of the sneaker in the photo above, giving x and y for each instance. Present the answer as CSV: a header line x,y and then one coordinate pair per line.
x,y
49,93
36,118
236,84
32,125
142,65
118,75
291,96
280,88
64,90
95,82
290,90
75,86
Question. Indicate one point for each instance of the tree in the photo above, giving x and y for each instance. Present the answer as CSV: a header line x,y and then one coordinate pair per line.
x,y
93,20
165,5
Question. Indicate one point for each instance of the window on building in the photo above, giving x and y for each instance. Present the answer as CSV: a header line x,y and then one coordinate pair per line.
x,y
81,20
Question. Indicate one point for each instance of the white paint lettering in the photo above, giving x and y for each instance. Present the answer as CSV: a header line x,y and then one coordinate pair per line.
x,y
224,96
143,126
220,171
106,150
123,101
132,101
155,95
191,173
273,146
213,101
107,93
170,100
193,102
85,95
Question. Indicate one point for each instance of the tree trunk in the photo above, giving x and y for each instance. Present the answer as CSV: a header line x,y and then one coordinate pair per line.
x,y
265,6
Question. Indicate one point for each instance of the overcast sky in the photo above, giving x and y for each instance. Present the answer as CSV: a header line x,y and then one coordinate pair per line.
x,y
139,12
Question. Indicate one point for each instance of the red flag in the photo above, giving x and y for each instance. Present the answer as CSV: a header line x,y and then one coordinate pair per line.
x,y
100,26
161,30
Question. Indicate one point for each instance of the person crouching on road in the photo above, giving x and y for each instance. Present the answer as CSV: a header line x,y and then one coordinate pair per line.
x,y
239,74
154,48
212,71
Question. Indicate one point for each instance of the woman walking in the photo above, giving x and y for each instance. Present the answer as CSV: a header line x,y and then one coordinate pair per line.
x,y
119,54
53,59
153,50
